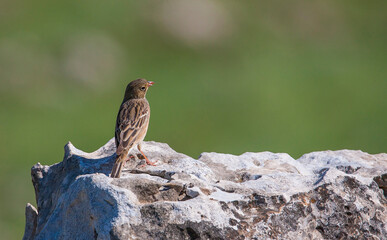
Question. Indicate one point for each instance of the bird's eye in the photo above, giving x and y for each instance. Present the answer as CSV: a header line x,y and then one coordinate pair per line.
x,y
143,88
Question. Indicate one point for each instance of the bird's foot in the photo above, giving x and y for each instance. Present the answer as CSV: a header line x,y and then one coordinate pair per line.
x,y
130,157
147,160
148,163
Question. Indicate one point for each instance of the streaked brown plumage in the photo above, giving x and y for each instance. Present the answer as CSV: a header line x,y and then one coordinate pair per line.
x,y
132,123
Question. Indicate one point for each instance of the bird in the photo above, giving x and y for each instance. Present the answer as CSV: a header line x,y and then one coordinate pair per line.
x,y
131,124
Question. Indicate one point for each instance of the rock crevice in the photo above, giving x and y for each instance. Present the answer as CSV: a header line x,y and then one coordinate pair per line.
x,y
322,195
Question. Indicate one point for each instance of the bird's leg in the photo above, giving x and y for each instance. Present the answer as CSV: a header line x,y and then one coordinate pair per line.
x,y
146,159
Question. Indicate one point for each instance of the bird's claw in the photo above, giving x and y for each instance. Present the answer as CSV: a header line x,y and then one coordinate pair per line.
x,y
148,163
130,157
151,163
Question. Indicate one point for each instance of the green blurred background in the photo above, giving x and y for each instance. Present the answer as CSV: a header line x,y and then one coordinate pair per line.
x,y
231,76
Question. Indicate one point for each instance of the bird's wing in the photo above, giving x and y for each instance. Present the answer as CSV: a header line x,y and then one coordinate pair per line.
x,y
132,118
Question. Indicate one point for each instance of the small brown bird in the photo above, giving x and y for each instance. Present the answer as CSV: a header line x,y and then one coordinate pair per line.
x,y
132,123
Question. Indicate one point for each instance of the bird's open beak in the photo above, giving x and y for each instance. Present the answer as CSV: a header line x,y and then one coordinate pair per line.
x,y
150,83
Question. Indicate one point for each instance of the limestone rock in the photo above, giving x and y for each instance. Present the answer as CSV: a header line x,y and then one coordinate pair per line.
x,y
322,195
31,217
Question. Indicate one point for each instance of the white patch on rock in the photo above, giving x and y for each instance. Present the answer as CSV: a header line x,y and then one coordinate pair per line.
x,y
225,196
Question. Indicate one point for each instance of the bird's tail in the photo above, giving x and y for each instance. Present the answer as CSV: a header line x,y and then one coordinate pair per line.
x,y
117,167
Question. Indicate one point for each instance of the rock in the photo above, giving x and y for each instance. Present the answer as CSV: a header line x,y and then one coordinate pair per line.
x,y
31,217
322,195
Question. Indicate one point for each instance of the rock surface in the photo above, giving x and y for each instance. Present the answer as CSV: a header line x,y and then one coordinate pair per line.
x,y
322,195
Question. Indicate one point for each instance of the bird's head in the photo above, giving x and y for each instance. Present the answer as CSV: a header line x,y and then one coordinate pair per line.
x,y
137,89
